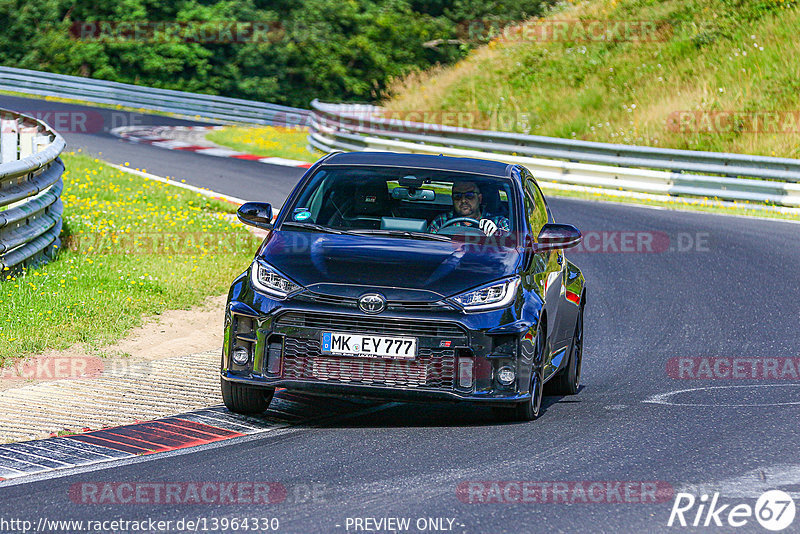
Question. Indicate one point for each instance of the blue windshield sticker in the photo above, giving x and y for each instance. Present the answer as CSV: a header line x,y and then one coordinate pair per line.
x,y
302,215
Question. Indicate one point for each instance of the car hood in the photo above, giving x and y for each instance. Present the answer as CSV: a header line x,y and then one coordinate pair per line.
x,y
406,268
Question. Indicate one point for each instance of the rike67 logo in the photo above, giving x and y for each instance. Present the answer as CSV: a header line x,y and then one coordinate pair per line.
x,y
774,510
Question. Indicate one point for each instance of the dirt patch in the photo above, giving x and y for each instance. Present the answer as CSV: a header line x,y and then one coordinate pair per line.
x,y
176,332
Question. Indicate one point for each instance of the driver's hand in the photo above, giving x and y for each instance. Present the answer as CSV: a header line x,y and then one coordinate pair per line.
x,y
489,228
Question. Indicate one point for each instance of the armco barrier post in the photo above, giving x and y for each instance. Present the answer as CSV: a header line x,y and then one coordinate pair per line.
x,y
30,189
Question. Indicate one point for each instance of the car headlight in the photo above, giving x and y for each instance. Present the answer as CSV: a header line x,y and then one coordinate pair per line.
x,y
268,280
495,295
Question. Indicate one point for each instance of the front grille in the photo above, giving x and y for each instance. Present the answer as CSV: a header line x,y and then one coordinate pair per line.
x,y
349,302
433,368
370,325
416,306
326,299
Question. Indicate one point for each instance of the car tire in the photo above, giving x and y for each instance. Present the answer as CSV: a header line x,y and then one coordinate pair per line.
x,y
568,381
245,400
529,410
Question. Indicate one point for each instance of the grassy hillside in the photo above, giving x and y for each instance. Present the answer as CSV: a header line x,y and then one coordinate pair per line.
x,y
710,58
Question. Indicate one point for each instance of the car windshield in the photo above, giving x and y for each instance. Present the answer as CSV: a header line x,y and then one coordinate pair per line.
x,y
404,202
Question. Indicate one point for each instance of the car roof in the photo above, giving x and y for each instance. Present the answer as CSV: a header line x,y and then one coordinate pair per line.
x,y
423,161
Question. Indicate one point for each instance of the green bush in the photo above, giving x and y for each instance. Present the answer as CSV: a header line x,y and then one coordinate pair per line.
x,y
327,49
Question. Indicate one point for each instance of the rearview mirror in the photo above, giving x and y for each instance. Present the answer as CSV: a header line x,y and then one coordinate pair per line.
x,y
258,214
411,182
558,236
416,195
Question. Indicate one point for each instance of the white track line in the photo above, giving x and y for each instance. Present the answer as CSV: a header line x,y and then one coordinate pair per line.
x,y
205,192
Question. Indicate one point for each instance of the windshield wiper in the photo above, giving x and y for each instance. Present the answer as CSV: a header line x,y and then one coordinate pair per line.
x,y
313,226
403,233
393,233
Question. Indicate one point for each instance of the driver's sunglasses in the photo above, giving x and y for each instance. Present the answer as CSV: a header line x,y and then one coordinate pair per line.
x,y
469,195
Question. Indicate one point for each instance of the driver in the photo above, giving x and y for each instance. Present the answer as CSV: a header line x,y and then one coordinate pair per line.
x,y
467,199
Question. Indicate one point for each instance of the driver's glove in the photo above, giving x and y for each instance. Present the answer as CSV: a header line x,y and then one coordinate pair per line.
x,y
488,227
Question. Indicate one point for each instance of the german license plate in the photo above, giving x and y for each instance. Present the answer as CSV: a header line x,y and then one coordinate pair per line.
x,y
365,346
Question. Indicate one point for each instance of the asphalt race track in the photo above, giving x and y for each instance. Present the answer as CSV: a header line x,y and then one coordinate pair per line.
x,y
238,178
710,287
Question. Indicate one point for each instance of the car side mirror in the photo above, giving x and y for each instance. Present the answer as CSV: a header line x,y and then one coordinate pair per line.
x,y
555,236
258,214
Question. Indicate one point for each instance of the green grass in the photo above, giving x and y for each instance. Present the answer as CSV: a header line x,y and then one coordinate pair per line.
x,y
132,247
707,56
268,141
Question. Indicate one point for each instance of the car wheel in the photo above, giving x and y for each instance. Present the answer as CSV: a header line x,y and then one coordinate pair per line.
x,y
528,411
568,381
246,400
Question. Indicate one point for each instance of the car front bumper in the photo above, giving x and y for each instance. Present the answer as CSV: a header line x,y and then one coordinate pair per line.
x,y
459,354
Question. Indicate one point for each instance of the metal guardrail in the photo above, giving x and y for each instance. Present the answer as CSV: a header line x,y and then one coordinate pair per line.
x,y
217,108
575,163
30,189
567,162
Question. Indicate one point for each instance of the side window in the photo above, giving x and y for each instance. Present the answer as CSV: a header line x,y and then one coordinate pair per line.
x,y
538,213
547,208
530,208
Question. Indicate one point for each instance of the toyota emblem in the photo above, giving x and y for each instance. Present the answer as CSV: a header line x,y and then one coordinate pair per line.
x,y
372,303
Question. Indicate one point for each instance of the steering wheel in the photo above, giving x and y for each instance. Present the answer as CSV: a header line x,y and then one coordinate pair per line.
x,y
469,229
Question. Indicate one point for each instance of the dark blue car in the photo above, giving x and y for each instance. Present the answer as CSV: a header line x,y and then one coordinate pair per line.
x,y
407,277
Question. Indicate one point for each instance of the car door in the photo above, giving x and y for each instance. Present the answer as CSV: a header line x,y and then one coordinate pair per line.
x,y
547,269
566,310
